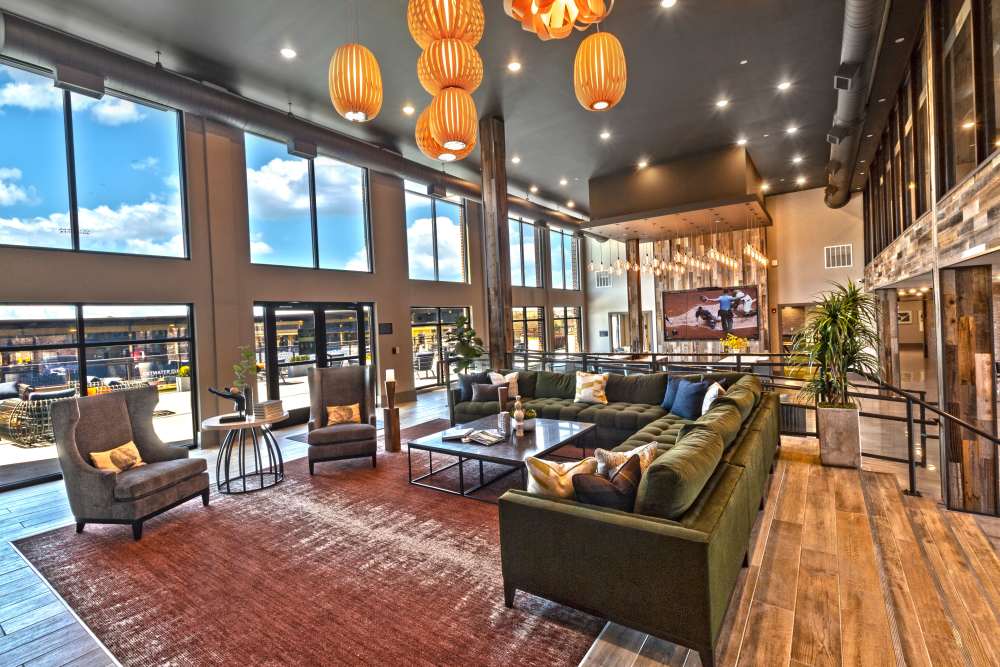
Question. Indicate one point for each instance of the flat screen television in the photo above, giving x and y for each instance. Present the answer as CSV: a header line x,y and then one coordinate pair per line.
x,y
701,314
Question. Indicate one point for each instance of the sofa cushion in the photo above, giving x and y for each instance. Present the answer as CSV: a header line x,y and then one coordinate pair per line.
x,y
724,418
621,416
663,433
466,380
555,408
739,397
672,484
138,482
714,391
670,393
555,385
616,491
690,396
751,382
647,388
467,412
331,435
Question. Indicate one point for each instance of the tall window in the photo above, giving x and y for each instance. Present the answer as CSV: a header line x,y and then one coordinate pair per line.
x,y
529,329
523,254
960,123
429,330
122,190
564,249
306,213
566,329
436,239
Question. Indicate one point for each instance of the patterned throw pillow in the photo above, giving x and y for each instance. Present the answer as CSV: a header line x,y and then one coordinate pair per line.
x,y
555,480
617,492
510,380
590,388
608,461
713,393
343,414
119,459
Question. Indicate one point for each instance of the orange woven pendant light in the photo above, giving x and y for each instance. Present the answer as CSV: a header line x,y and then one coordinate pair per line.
x,y
429,20
449,63
431,148
453,119
600,72
355,83
555,19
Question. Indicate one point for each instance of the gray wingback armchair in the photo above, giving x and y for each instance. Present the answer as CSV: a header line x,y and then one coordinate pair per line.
x,y
341,386
100,423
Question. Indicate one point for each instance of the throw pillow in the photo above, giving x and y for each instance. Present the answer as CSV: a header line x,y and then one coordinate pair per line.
x,y
671,393
510,380
590,388
608,461
690,396
466,380
119,459
343,414
617,492
484,393
555,480
713,393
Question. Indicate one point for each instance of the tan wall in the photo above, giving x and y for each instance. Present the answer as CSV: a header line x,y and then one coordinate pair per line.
x,y
803,226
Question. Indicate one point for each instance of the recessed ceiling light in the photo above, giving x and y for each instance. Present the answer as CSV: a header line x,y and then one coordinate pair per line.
x,y
722,104
801,180
643,163
861,161
534,189
605,135
765,186
571,204
797,159
881,99
900,40
667,4
408,109
742,141
514,66
968,125
744,61
784,85
868,136
766,135
861,173
791,129
563,181
288,53
516,159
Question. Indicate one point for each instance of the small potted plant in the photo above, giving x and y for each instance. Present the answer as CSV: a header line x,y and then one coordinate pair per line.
x,y
183,380
245,375
529,419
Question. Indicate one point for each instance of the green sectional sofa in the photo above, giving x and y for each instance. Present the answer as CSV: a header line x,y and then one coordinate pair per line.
x,y
670,567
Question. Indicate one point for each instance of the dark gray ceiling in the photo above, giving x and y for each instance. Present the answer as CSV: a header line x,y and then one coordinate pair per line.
x,y
681,60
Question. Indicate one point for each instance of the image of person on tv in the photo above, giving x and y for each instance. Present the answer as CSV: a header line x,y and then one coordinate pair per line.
x,y
726,302
744,304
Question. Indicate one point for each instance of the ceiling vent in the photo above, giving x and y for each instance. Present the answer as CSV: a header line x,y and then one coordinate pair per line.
x,y
78,81
437,190
300,148
847,76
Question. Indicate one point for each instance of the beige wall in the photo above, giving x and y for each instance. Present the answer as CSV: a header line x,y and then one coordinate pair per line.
x,y
803,227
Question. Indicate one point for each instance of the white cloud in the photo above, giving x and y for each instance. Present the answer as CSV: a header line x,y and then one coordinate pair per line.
x,y
420,247
278,187
258,247
145,163
114,111
34,94
359,262
11,193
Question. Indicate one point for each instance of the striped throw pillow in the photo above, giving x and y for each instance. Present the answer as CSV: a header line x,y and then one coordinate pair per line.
x,y
590,388
608,461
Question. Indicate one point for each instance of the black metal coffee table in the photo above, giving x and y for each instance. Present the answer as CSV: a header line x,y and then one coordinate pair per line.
x,y
547,436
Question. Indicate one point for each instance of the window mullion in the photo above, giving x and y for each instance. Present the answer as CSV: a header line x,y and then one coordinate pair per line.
x,y
313,213
434,240
74,216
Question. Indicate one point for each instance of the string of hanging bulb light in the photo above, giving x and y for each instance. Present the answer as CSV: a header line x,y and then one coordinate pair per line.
x,y
755,255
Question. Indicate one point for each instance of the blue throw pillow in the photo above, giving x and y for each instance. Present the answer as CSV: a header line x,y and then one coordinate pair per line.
x,y
466,381
671,393
690,396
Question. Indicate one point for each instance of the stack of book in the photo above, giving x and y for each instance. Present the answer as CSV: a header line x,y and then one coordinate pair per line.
x,y
268,410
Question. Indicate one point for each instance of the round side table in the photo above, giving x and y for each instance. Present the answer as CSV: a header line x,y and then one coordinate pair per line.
x,y
253,434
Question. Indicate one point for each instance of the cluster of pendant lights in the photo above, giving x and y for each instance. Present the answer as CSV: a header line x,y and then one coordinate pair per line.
x,y
755,255
680,262
600,72
355,82
450,69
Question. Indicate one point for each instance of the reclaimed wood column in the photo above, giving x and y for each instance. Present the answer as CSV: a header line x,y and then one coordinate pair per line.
x,y
496,240
888,332
968,387
633,286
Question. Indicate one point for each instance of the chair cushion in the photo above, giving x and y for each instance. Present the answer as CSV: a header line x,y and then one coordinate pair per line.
x,y
556,408
621,416
466,380
138,482
672,484
329,435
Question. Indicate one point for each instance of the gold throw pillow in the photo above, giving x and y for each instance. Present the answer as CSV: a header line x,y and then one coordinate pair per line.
x,y
590,388
343,414
119,459
555,480
608,462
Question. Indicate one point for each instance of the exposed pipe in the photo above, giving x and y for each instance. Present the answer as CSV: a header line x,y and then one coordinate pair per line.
x,y
863,25
41,45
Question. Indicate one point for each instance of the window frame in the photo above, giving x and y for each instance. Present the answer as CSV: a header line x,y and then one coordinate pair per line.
x,y
434,237
524,319
561,233
520,231
70,156
566,319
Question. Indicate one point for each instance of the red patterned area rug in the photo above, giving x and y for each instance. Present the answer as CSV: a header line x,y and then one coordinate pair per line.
x,y
351,567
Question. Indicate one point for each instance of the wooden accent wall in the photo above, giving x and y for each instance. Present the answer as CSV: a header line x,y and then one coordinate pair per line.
x,y
888,329
968,388
633,286
496,236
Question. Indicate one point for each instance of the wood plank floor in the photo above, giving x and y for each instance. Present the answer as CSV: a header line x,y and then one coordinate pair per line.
x,y
846,570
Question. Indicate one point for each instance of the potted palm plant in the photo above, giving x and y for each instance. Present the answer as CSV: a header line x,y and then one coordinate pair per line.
x,y
837,340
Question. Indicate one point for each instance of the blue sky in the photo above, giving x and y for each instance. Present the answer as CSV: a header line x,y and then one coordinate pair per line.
x,y
280,226
127,167
420,239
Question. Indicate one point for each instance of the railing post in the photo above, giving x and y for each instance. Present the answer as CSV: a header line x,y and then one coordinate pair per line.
x,y
911,458
923,429
739,362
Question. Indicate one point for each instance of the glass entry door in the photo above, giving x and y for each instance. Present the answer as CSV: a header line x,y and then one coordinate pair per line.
x,y
429,329
294,337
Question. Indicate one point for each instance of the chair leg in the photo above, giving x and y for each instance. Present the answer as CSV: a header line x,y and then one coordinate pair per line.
x,y
79,526
707,657
137,530
373,460
312,468
508,595
204,497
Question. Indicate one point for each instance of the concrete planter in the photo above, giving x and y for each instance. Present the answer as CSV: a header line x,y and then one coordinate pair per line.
x,y
839,436
182,383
